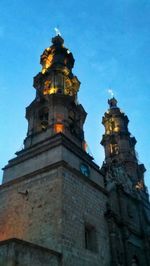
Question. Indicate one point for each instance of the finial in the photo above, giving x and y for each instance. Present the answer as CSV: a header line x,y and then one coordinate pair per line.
x,y
110,91
57,31
57,40
112,103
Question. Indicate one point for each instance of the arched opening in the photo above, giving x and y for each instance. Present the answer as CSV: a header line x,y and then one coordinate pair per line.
x,y
43,118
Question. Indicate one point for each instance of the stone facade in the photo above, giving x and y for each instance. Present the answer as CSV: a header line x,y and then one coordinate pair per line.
x,y
57,206
18,252
51,207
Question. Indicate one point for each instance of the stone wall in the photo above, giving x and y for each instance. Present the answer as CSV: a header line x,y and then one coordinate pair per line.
x,y
30,209
51,209
15,252
83,204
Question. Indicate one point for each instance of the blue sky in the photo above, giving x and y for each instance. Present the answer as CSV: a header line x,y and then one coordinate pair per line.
x,y
110,41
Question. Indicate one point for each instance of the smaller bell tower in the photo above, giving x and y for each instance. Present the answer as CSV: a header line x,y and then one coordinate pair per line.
x,y
127,213
118,142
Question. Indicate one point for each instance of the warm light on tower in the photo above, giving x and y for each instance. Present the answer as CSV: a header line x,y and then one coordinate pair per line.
x,y
58,128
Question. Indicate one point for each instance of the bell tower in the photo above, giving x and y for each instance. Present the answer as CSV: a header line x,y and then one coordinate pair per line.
x,y
55,111
119,144
128,202
55,108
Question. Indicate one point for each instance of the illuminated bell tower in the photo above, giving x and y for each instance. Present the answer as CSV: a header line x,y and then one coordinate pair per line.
x,y
118,143
54,115
55,108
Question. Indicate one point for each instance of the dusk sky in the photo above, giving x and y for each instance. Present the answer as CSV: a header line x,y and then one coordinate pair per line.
x,y
110,41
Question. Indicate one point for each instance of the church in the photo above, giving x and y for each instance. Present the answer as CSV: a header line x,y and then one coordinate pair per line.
x,y
57,206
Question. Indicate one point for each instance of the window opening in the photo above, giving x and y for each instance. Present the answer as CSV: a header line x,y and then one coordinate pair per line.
x,y
114,149
90,238
43,116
